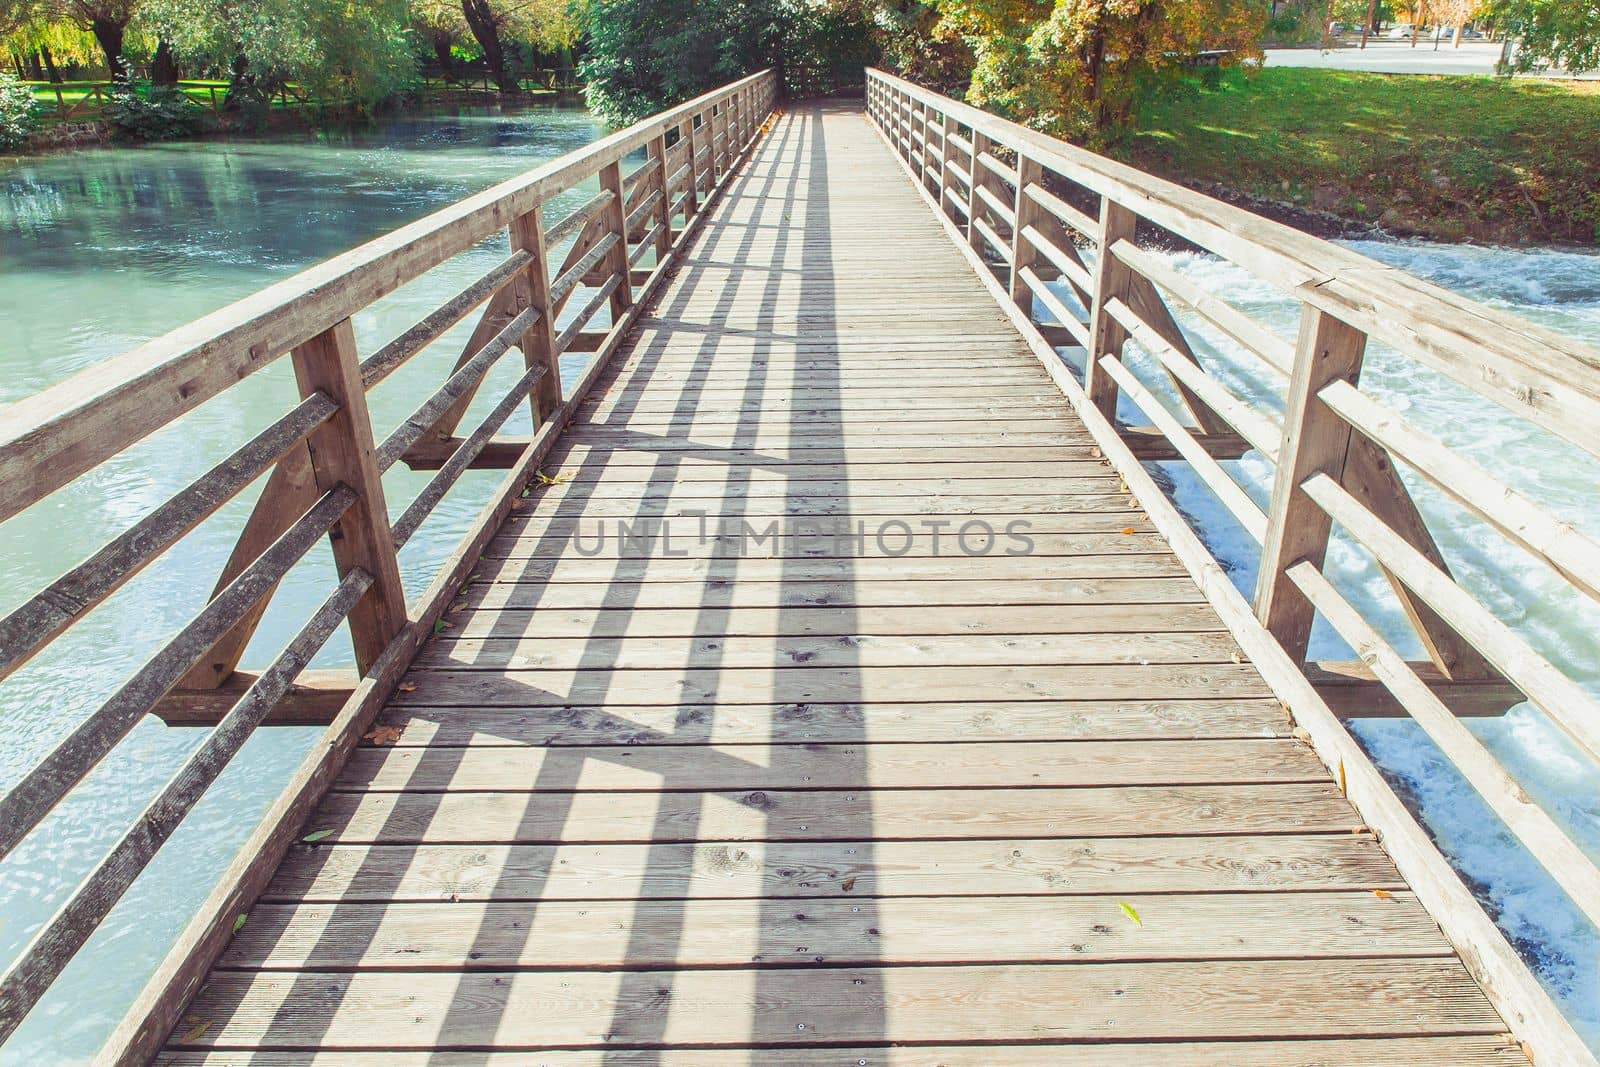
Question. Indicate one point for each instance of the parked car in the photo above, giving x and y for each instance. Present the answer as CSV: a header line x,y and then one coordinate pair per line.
x,y
1402,33
1467,34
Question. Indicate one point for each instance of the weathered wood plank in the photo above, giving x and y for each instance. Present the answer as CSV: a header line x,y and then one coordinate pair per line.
x,y
828,766
811,815
852,594
1359,1052
539,651
1277,998
598,623
843,930
559,688
799,869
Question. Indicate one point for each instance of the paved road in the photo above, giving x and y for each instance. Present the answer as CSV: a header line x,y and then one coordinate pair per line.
x,y
1399,57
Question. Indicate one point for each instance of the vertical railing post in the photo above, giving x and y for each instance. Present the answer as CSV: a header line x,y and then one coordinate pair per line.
x,y
980,145
342,452
539,343
658,151
1315,441
1113,280
616,221
919,119
946,154
1026,212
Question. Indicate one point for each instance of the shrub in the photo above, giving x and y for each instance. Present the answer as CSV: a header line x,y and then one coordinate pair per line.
x,y
162,116
17,111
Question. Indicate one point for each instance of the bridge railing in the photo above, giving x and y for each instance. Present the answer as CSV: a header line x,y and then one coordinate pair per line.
x,y
1057,228
324,468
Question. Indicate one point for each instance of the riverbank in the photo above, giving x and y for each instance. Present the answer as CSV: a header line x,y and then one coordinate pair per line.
x,y
1338,152
206,118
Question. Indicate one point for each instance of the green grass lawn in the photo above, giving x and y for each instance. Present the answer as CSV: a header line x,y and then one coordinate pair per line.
x,y
1448,157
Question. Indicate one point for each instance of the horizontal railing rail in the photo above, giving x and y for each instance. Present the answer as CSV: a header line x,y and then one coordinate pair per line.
x,y
1053,227
323,469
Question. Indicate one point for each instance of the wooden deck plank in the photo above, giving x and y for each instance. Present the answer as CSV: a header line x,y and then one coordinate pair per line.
x,y
744,685
1362,1052
761,786
833,815
1054,868
564,1009
728,596
876,622
843,930
997,569
842,651
955,764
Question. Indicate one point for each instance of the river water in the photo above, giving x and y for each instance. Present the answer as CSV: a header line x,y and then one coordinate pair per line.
x,y
100,250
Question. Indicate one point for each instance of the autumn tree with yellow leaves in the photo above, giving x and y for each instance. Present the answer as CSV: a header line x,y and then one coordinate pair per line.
x,y
1078,68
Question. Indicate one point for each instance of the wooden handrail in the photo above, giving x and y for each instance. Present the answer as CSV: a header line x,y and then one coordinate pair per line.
x,y
326,480
1071,237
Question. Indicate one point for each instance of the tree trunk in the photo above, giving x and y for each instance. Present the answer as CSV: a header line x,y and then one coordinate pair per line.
x,y
1459,27
1366,27
108,34
480,19
1097,62
441,52
49,62
164,65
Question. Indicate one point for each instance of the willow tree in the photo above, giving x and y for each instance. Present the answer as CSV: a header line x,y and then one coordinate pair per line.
x,y
1080,68
354,49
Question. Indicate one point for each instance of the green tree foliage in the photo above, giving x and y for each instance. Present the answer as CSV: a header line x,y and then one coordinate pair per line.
x,y
497,24
357,50
1080,68
648,54
1555,33
911,37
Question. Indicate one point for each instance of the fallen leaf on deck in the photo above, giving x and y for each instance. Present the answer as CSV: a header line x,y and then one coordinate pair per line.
x,y
408,687
1382,894
238,924
848,884
1127,530
316,835
194,1032
384,735
1131,912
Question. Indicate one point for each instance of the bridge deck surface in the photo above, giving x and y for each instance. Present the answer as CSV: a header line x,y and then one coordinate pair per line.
x,y
797,807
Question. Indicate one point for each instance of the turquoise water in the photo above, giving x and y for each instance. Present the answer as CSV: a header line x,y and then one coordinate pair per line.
x,y
100,250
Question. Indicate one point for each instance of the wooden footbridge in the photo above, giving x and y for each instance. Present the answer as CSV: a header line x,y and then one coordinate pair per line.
x,y
829,679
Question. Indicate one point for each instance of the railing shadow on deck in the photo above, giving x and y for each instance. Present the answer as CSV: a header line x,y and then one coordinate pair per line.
x,y
681,758
324,477
1065,242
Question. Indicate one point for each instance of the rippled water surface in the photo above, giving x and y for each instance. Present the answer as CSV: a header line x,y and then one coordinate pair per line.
x,y
100,250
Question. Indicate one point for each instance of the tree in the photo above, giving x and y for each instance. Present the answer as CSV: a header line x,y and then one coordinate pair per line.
x,y
441,25
356,49
108,21
1079,68
648,54
497,23
1555,33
